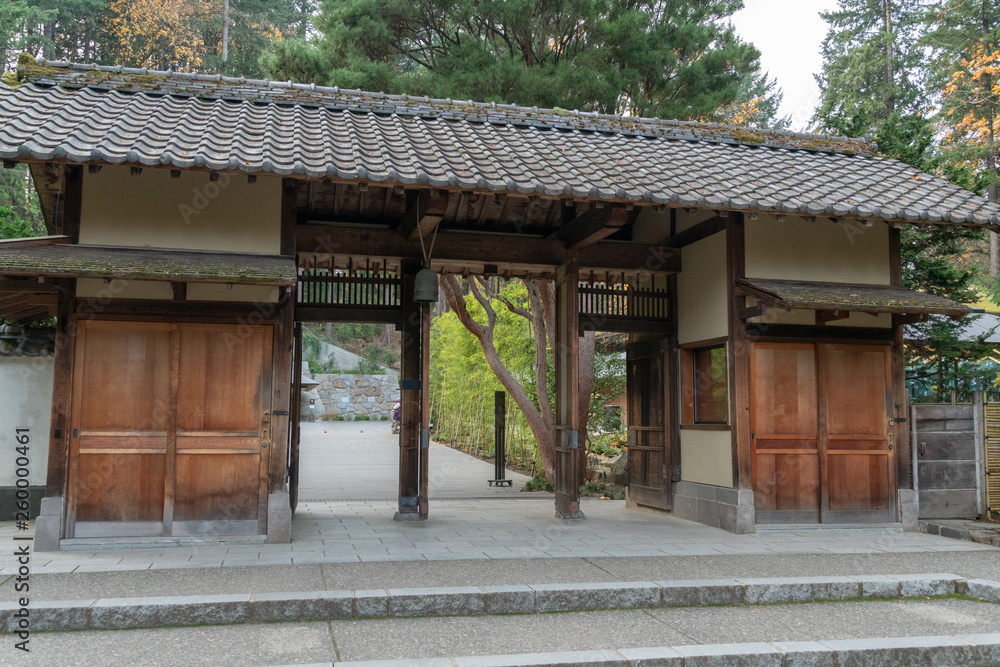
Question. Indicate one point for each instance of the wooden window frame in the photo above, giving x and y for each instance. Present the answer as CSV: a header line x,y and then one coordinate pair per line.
x,y
688,386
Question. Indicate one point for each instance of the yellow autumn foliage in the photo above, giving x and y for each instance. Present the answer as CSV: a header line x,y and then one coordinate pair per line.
x,y
159,34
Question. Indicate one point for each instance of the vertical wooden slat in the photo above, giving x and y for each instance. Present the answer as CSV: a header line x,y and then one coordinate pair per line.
x,y
73,202
288,217
170,458
900,397
425,400
739,355
295,417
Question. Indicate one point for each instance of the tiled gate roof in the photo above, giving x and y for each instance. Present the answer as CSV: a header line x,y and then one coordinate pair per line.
x,y
84,114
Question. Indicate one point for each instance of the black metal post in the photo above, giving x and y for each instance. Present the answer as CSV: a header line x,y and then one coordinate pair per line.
x,y
500,440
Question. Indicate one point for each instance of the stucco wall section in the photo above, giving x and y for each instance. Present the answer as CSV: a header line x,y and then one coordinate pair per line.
x,y
26,385
217,292
191,212
794,249
808,317
701,291
707,457
123,289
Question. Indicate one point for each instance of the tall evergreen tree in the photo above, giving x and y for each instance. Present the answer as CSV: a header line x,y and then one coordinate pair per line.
x,y
667,58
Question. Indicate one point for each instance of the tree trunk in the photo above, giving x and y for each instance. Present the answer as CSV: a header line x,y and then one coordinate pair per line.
x,y
890,99
225,33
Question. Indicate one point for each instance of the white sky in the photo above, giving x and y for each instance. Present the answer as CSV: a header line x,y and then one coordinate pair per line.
x,y
788,34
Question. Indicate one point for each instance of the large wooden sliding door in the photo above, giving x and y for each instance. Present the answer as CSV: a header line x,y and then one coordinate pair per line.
x,y
171,430
647,415
821,434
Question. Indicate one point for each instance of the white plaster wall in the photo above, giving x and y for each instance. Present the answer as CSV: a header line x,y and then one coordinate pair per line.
x,y
794,249
26,388
808,317
191,212
707,457
123,289
701,291
217,292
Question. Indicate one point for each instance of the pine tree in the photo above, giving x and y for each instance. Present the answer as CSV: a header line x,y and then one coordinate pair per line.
x,y
667,58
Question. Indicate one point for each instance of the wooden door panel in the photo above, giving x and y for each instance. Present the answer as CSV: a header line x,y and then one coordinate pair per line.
x,y
783,420
222,430
216,487
221,378
120,429
117,487
859,482
787,482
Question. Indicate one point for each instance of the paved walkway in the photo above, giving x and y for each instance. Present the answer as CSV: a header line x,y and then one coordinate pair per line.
x,y
359,461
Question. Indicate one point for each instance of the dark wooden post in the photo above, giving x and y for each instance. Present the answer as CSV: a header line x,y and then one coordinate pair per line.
x,y
567,367
62,391
411,367
281,391
425,405
295,419
900,399
739,355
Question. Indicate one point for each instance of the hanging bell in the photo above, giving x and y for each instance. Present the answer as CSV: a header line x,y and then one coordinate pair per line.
x,y
425,286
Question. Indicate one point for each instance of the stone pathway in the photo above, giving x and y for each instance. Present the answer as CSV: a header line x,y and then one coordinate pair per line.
x,y
359,461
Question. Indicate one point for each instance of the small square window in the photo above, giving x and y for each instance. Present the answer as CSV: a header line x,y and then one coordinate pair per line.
x,y
704,385
711,398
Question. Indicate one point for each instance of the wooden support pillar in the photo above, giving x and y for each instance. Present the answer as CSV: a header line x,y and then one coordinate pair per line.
x,y
673,388
567,371
62,392
73,203
900,398
295,418
738,351
281,392
411,370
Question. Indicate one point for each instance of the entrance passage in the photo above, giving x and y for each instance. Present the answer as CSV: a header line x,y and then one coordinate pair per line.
x,y
648,414
822,448
171,428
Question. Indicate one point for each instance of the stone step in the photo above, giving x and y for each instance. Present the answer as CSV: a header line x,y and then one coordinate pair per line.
x,y
152,612
970,650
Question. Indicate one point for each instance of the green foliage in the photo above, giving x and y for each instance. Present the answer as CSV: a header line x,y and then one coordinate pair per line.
x,y
538,483
666,58
608,444
463,386
603,490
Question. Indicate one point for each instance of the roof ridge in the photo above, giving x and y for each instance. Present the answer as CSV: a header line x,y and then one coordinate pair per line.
x,y
717,132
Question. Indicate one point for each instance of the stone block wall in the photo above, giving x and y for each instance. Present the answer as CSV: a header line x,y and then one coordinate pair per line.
x,y
356,396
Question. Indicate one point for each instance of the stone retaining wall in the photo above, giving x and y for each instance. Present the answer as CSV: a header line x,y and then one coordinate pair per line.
x,y
356,396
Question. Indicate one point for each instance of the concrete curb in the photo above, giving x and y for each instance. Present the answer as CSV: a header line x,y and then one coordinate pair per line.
x,y
971,650
122,613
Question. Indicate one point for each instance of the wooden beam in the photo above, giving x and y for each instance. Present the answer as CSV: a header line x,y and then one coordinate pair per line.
x,y
425,209
700,231
27,285
824,316
807,333
594,225
180,291
34,241
909,319
505,250
757,310
337,314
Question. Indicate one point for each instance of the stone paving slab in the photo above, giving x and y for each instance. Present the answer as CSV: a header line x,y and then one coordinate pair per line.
x,y
486,529
151,612
928,651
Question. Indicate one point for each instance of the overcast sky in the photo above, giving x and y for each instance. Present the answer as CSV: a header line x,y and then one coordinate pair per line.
x,y
788,34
